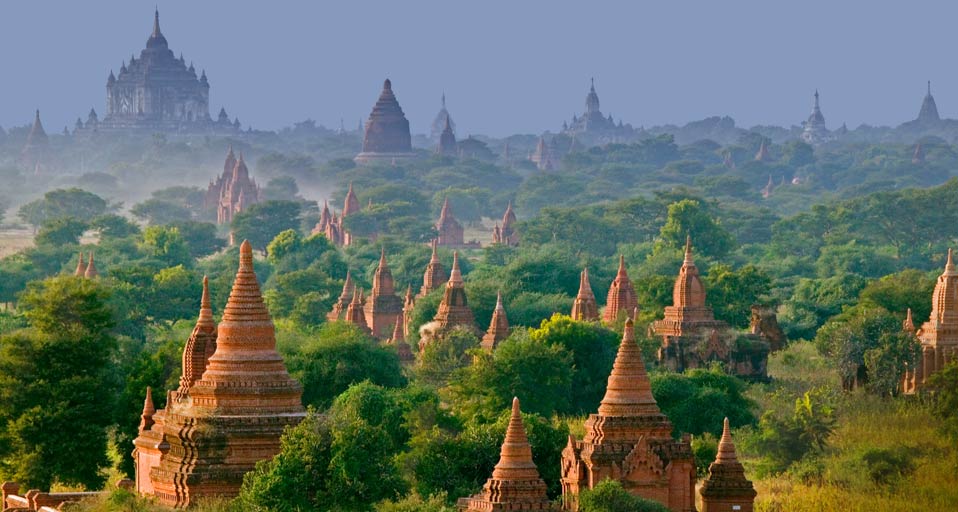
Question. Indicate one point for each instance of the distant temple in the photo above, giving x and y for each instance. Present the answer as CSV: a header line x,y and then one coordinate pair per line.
x,y
692,337
498,326
233,402
383,307
593,125
86,270
233,191
814,131
630,441
447,142
726,488
159,92
928,114
506,234
454,308
939,335
546,157
621,301
442,119
449,229
331,225
387,135
515,484
584,307
435,276
34,154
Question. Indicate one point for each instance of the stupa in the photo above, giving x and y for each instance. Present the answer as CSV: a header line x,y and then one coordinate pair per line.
x,y
454,309
387,136
726,489
621,300
435,275
383,307
498,326
939,335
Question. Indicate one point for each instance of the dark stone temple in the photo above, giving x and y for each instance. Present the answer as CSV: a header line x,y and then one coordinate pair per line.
x,y
439,123
159,92
595,127
387,131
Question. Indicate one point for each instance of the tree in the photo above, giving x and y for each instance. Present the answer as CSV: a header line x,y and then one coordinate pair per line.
x,y
698,400
281,188
539,372
689,217
944,385
158,212
71,202
784,441
200,237
262,221
111,225
339,356
174,294
56,392
447,352
610,496
167,245
61,231
731,293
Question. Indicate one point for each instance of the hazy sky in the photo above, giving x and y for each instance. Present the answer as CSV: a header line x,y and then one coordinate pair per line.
x,y
506,66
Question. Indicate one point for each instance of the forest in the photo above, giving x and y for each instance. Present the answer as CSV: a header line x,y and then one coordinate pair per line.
x,y
839,241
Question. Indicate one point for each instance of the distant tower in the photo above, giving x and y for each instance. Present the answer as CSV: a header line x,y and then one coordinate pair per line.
x,y
815,132
387,135
435,275
454,309
447,142
383,307
928,115
622,300
439,123
35,150
762,154
726,488
584,307
450,230
498,327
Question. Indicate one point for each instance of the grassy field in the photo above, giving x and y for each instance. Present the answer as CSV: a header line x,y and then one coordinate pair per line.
x,y
13,240
884,454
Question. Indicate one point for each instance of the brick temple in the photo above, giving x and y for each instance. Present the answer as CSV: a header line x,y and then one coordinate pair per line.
x,y
386,137
233,191
630,441
939,335
233,402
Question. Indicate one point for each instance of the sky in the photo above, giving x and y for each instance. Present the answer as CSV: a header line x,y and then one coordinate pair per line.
x,y
506,66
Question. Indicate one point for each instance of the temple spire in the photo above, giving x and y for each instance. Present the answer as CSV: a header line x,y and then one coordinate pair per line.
x,y
726,448
91,270
146,418
81,267
688,249
455,276
206,310
515,456
629,392
584,306
498,326
909,324
156,23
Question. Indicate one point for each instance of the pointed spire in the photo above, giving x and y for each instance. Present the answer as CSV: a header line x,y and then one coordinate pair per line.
x,y
584,306
621,299
91,271
515,456
200,346
146,418
434,258
688,249
245,304
726,448
949,264
621,272
156,23
909,324
929,87
498,326
398,331
81,267
206,310
455,276
629,391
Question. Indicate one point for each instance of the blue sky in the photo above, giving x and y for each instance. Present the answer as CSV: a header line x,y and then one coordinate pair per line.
x,y
506,66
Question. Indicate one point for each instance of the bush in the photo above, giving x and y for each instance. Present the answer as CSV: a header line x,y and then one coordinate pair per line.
x,y
610,496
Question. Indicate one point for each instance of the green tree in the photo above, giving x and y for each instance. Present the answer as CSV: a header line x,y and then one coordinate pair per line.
x,y
689,217
167,245
261,222
111,225
55,391
698,400
61,231
159,212
785,440
281,188
610,496
439,358
731,293
944,385
72,202
200,238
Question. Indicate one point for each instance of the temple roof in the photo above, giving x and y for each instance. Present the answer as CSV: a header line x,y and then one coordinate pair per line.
x,y
91,270
929,110
352,202
621,298
442,118
156,39
816,117
515,456
629,392
584,306
387,130
688,290
592,99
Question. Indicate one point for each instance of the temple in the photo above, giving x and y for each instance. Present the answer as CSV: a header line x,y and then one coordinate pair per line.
x,y
159,92
726,489
928,114
762,154
621,300
593,126
435,275
939,335
693,338
355,313
449,229
230,408
383,307
515,484
441,120
630,441
814,131
233,191
498,327
584,306
447,142
387,131
545,157
454,309
506,233
342,303
34,154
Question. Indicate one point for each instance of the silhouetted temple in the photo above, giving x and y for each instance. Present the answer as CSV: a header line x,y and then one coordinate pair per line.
x,y
692,337
814,131
233,402
158,91
630,441
449,229
928,114
442,118
34,154
939,335
506,233
515,484
447,142
387,131
593,125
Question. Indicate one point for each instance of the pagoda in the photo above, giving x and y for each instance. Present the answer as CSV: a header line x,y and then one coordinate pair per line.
x,y
630,441
215,188
91,272
726,488
233,402
398,340
435,275
506,233
355,314
814,131
544,156
441,120
238,191
762,154
450,230
693,338
593,125
387,131
515,484
939,335
454,309
159,92
584,307
34,152
81,267
383,307
621,300
342,303
447,142
409,303
928,114
498,327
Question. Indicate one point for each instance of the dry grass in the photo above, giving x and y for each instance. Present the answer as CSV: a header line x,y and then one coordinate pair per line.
x,y
15,240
